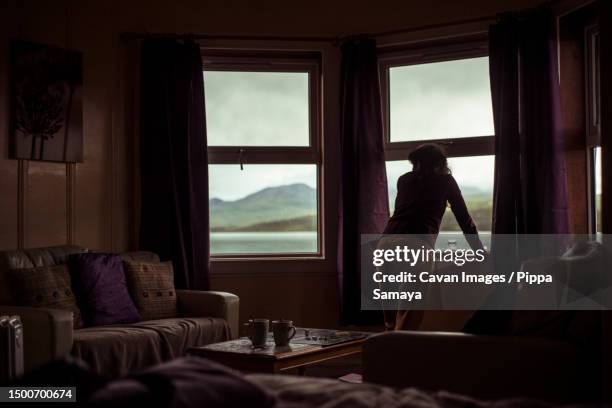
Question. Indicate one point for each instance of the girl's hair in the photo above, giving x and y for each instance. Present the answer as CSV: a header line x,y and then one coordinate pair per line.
x,y
429,158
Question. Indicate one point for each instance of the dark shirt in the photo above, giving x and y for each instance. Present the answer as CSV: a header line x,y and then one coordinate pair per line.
x,y
420,204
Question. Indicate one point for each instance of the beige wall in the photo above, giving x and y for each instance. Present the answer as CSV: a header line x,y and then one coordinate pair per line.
x,y
91,204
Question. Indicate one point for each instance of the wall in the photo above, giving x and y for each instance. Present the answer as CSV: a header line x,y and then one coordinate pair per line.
x,y
49,203
92,203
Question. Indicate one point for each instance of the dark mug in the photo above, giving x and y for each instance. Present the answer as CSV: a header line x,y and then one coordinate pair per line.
x,y
258,331
283,331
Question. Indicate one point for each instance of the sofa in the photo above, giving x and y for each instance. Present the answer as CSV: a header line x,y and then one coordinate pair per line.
x,y
486,367
203,317
559,355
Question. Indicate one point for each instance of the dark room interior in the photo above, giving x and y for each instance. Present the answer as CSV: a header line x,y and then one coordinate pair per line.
x,y
222,203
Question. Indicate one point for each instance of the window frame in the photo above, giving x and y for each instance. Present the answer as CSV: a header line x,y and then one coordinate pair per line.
x,y
272,61
593,116
424,54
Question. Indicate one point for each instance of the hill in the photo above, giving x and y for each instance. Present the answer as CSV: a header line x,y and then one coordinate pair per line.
x,y
293,207
280,207
306,223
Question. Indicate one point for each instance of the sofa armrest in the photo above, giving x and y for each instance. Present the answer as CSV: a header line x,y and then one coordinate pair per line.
x,y
47,333
480,366
194,303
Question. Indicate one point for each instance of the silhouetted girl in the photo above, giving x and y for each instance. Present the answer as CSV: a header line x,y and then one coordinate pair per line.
x,y
422,197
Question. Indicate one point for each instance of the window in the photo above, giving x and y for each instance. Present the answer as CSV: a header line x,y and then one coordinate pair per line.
x,y
257,108
263,140
475,178
596,195
444,99
593,131
440,100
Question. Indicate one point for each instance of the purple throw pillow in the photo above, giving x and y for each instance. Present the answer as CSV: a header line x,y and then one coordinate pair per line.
x,y
99,284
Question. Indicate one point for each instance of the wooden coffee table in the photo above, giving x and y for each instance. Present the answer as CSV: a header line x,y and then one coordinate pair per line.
x,y
240,354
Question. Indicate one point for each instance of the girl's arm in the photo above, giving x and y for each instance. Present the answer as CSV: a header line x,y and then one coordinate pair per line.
x,y
457,203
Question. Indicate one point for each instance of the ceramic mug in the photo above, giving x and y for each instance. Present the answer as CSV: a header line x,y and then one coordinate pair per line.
x,y
258,331
283,331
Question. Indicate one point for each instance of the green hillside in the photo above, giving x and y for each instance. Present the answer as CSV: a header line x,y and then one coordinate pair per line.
x,y
274,207
294,207
307,223
480,208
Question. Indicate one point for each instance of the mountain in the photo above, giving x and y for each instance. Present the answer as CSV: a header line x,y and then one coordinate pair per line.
x,y
266,208
293,207
306,223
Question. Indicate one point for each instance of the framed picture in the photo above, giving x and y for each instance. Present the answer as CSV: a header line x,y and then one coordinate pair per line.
x,y
46,103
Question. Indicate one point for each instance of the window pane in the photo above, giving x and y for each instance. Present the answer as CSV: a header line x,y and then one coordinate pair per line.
x,y
267,209
256,108
440,100
475,178
597,168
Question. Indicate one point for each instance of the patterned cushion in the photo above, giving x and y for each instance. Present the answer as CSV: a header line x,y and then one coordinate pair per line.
x,y
151,285
45,286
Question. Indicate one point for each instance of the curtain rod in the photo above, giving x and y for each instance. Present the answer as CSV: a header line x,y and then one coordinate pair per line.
x,y
336,39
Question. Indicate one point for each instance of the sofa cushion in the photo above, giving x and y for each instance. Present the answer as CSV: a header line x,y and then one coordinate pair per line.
x,y
116,350
99,283
31,258
180,334
151,285
46,286
120,349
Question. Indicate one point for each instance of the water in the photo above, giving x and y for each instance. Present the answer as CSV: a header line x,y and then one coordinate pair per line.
x,y
300,242
263,242
461,243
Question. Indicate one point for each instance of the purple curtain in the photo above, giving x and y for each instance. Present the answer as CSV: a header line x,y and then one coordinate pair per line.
x,y
530,194
173,159
364,203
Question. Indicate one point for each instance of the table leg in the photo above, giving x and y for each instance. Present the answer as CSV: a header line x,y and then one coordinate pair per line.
x,y
301,371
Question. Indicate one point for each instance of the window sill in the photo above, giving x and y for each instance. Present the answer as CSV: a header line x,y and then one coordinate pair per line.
x,y
267,258
274,266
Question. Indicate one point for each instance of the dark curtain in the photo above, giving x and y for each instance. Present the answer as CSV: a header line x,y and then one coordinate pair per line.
x,y
364,203
530,194
173,160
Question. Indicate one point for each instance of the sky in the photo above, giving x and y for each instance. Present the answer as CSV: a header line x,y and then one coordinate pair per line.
x,y
428,101
598,170
228,182
256,108
441,100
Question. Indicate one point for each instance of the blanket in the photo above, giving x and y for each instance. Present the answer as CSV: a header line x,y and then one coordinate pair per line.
x,y
305,392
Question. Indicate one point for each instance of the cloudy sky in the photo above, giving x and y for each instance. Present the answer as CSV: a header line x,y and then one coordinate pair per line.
x,y
256,108
429,101
441,100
